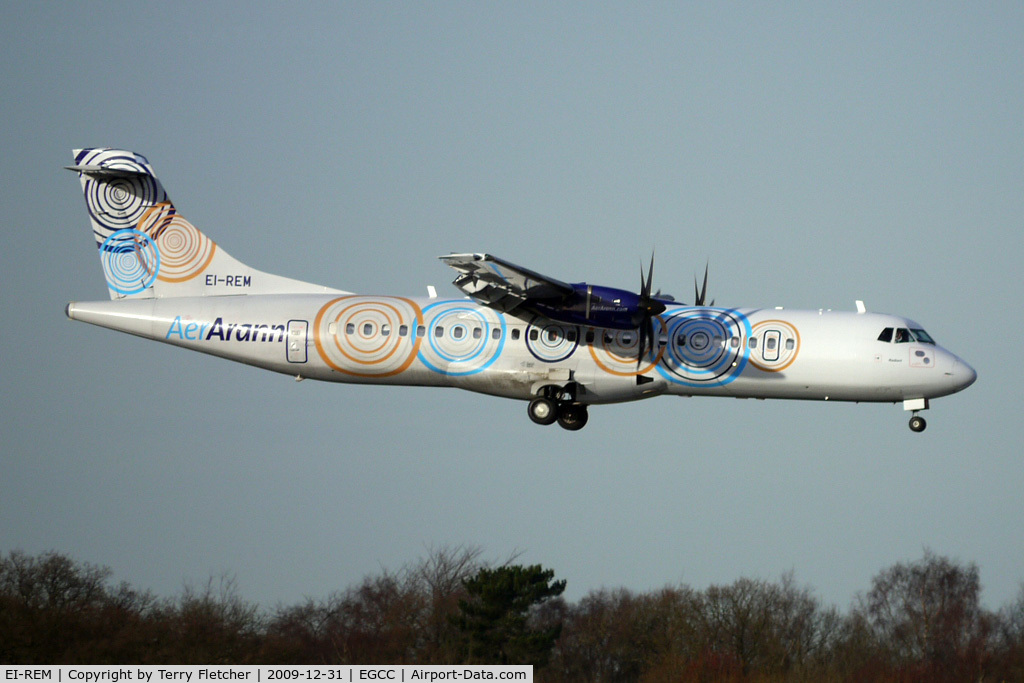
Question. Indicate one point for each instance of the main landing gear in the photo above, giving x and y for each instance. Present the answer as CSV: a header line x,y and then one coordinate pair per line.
x,y
555,404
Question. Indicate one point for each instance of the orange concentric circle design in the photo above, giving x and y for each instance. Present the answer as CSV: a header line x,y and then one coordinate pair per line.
x,y
615,352
185,252
367,336
783,356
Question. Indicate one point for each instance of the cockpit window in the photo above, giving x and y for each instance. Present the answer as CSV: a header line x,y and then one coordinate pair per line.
x,y
904,336
922,336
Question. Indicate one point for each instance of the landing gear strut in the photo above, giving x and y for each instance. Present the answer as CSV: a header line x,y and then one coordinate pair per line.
x,y
558,404
917,423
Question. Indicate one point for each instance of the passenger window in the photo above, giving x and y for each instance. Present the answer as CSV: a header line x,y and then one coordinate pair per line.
x,y
496,333
734,342
571,336
332,329
477,333
770,343
719,342
457,332
438,331
552,336
590,336
886,335
752,342
403,330
367,330
350,328
515,334
790,344
681,340
385,330
421,331
533,335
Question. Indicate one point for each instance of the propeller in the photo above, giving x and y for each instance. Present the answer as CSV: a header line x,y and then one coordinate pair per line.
x,y
700,295
647,308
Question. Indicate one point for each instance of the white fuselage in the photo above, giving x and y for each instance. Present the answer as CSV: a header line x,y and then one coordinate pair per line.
x,y
746,353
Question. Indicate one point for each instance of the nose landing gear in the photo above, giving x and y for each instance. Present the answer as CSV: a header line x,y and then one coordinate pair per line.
x,y
917,423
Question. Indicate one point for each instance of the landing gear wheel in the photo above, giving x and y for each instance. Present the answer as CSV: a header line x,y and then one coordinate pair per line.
x,y
573,416
543,410
917,424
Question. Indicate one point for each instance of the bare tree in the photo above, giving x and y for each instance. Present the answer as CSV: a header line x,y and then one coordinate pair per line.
x,y
927,616
211,624
441,576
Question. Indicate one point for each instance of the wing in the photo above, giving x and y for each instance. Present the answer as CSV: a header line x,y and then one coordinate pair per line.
x,y
502,285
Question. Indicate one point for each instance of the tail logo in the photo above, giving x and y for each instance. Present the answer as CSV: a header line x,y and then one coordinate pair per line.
x,y
141,236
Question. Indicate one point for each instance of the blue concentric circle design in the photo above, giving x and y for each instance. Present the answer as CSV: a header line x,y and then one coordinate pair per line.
x,y
131,261
460,339
704,346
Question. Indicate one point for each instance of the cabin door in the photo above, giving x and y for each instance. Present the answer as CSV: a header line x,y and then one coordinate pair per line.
x,y
296,340
770,347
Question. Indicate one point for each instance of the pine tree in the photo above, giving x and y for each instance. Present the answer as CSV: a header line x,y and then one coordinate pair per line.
x,y
495,621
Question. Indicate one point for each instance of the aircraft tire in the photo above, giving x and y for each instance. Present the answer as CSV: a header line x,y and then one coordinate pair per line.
x,y
543,410
917,424
573,416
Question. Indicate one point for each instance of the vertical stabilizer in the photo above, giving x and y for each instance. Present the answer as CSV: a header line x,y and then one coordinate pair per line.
x,y
148,249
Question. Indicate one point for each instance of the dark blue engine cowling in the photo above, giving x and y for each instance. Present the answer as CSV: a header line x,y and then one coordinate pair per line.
x,y
595,306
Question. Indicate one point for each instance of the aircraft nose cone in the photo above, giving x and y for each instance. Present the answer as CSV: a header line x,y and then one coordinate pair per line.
x,y
963,374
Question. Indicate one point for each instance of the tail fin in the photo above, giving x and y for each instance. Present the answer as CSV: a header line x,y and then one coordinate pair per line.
x,y
147,248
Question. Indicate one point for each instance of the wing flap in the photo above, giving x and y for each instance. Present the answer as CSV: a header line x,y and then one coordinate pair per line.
x,y
503,285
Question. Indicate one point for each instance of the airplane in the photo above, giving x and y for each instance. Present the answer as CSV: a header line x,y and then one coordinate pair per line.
x,y
514,333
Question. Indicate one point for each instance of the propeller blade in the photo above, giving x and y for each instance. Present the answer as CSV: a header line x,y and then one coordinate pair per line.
x,y
642,345
650,334
647,308
700,296
650,278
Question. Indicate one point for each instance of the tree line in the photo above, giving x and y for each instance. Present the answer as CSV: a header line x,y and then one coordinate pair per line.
x,y
918,621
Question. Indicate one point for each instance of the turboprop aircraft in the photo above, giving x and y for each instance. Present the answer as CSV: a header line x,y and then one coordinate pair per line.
x,y
560,346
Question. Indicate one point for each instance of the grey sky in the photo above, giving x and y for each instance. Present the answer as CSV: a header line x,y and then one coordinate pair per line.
x,y
813,153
